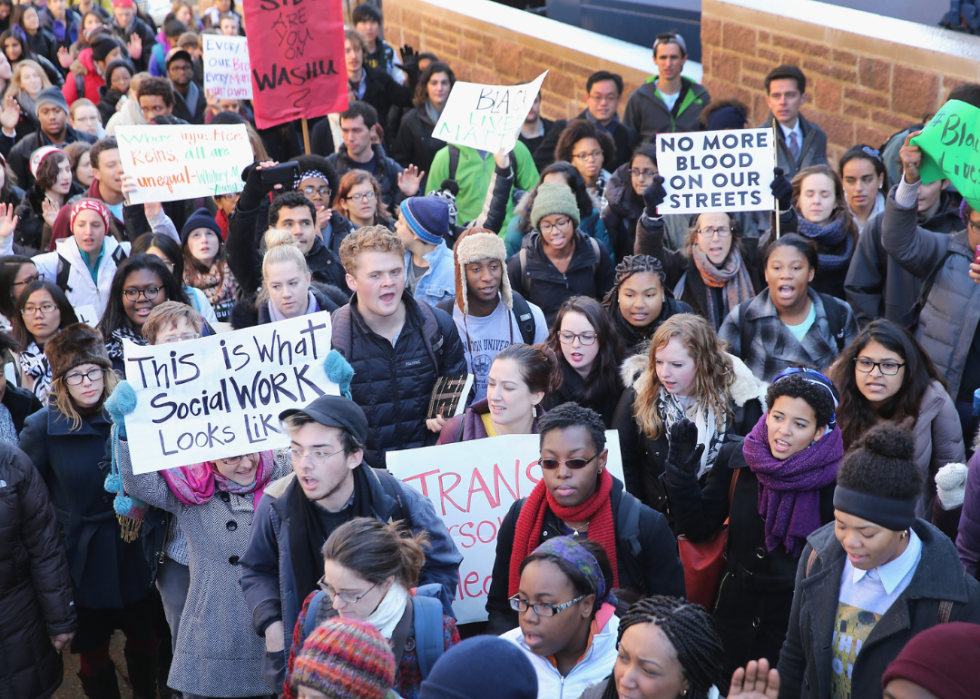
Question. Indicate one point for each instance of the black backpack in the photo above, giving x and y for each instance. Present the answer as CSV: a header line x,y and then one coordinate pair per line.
x,y
521,310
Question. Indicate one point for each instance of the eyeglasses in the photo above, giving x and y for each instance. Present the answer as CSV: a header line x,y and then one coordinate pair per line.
x,y
542,608
560,224
574,464
322,191
346,596
149,293
233,461
594,155
29,280
317,458
567,337
181,67
643,174
367,196
721,232
95,375
608,99
44,308
179,338
866,366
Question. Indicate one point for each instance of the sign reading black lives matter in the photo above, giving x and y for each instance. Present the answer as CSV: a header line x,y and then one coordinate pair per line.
x,y
709,171
221,396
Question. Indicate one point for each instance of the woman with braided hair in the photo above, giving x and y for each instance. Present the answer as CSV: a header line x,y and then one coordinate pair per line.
x,y
668,649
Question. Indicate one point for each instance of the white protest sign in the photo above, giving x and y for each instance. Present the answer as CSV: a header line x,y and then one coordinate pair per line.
x,y
87,314
171,163
486,117
160,8
472,485
709,171
221,395
227,71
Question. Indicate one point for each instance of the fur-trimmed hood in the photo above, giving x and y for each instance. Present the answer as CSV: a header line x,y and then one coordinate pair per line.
x,y
745,388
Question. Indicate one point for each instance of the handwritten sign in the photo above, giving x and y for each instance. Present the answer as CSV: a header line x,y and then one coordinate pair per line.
x,y
221,396
227,71
472,485
486,117
87,314
709,171
298,68
171,163
950,145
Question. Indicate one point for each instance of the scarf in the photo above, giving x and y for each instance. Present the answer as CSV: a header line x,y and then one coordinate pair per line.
x,y
114,347
194,484
311,307
733,278
217,283
34,363
671,409
597,510
390,611
789,489
827,236
432,112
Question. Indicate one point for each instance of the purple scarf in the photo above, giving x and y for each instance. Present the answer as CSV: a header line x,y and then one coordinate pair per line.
x,y
789,490
194,484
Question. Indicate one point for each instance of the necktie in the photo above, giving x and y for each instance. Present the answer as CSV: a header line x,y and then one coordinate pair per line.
x,y
794,146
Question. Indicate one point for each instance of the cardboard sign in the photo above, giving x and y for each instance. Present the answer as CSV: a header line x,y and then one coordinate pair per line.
x,y
297,55
950,145
227,71
486,117
709,171
472,485
221,396
171,163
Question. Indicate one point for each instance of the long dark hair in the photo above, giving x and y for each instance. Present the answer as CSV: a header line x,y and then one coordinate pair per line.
x,y
604,375
648,150
574,180
115,315
9,268
20,331
855,414
194,267
422,87
168,246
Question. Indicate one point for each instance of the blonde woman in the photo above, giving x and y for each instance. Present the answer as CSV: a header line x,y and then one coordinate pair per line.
x,y
25,85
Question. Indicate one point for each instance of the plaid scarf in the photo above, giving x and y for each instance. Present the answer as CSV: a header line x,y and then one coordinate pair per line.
x,y
733,278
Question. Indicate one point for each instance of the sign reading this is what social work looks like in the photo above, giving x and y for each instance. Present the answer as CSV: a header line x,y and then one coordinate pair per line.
x,y
716,171
220,396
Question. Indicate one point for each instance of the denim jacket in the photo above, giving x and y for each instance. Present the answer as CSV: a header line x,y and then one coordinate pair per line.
x,y
440,281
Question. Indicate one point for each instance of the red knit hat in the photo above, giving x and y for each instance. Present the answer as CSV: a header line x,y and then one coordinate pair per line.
x,y
941,660
346,659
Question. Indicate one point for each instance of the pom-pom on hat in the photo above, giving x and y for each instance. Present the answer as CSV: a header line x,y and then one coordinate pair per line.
x,y
554,198
477,244
428,217
76,345
346,659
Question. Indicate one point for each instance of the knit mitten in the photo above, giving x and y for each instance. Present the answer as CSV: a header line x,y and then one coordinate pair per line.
x,y
951,485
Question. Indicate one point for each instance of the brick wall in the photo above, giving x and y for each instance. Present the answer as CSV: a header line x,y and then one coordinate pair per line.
x,y
861,88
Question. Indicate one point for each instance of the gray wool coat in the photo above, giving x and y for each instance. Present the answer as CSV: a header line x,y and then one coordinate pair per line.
x,y
218,653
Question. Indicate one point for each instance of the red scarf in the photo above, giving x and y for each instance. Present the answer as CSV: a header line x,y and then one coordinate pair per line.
x,y
527,532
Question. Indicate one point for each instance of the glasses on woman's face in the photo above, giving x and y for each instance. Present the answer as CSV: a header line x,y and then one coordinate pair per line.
x,y
28,280
561,224
149,293
709,233
866,366
95,375
567,337
643,174
574,464
232,461
542,608
346,596
594,155
367,196
322,191
44,309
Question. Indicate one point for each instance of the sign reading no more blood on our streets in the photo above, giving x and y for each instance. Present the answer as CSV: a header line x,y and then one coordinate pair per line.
x,y
716,171
220,396
227,71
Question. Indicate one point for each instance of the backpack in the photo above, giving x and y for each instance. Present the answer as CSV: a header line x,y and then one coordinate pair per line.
x,y
521,311
64,268
523,258
836,319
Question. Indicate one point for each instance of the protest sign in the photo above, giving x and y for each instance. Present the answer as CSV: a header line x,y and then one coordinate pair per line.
x,y
486,117
227,72
472,486
171,163
221,395
297,55
950,145
158,9
87,314
709,171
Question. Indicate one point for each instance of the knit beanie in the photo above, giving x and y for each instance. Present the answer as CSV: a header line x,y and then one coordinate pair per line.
x,y
477,244
942,660
726,118
102,47
75,345
346,659
201,218
483,667
428,217
50,95
554,198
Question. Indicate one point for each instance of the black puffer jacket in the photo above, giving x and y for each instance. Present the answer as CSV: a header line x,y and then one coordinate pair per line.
x,y
35,587
394,384
249,312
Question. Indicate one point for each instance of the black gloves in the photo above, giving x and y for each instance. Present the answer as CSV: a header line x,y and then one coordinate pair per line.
x,y
782,189
654,196
684,455
410,64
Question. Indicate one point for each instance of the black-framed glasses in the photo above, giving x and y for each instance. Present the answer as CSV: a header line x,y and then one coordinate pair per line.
x,y
567,337
311,190
346,596
594,155
709,233
233,460
542,608
642,174
561,224
866,366
44,308
148,293
574,464
95,375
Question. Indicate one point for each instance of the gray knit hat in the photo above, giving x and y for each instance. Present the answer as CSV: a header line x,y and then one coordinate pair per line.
x,y
554,198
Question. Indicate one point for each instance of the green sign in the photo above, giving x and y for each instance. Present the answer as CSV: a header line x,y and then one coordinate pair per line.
x,y
950,145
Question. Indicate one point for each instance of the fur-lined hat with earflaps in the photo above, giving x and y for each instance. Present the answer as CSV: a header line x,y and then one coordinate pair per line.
x,y
474,245
75,345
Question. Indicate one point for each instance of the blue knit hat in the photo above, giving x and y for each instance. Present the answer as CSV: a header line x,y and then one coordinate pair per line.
x,y
201,218
483,667
428,217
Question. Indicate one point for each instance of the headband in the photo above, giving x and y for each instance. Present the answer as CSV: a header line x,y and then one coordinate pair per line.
x,y
670,38
91,205
569,549
812,376
307,175
872,152
894,515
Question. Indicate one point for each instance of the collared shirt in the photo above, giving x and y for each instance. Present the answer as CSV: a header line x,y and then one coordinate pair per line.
x,y
93,267
797,130
875,590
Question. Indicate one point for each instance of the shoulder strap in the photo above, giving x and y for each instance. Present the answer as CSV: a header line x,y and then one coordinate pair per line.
x,y
525,280
525,319
453,161
835,319
309,624
446,304
429,643
945,609
743,330
731,489
393,489
432,334
79,86
118,255
64,271
342,338
927,289
628,522
598,255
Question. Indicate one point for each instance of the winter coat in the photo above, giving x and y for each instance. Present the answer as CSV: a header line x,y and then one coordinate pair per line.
x,y
771,347
394,383
813,150
469,425
655,570
92,82
754,596
383,93
217,641
183,111
108,99
137,26
648,115
32,230
81,289
876,285
386,173
128,114
21,404
588,274
592,668
42,43
623,211
106,571
805,660
626,139
70,27
19,158
948,321
248,312
340,228
35,587
600,397
968,538
938,437
268,579
683,276
415,144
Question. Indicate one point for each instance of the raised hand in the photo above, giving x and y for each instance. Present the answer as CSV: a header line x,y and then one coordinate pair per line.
x,y
684,452
135,46
755,681
152,209
502,158
409,180
654,196
50,209
10,116
782,189
911,157
64,57
8,222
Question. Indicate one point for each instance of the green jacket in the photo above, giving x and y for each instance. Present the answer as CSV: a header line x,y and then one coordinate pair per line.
x,y
474,175
648,114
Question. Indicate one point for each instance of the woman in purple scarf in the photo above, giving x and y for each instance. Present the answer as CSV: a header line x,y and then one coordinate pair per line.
x,y
775,488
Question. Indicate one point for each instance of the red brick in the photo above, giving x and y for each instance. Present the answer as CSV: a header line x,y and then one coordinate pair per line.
x,y
875,74
463,72
856,110
562,84
710,32
768,55
764,37
839,130
482,75
870,136
828,95
468,51
472,34
950,83
577,71
753,83
412,21
540,57
411,38
845,57
530,70
894,121
866,97
791,59
817,50
755,66
829,69
788,42
724,66
914,91
738,37
759,107
507,58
